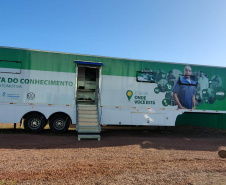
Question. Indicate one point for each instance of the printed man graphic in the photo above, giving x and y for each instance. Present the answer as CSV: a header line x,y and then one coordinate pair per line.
x,y
184,90
203,82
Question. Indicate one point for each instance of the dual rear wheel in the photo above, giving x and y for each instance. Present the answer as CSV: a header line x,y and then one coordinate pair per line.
x,y
59,123
35,122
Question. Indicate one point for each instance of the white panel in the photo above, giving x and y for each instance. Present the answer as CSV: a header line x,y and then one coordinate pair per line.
x,y
38,87
43,91
8,114
114,90
12,113
148,119
115,116
130,116
171,117
141,116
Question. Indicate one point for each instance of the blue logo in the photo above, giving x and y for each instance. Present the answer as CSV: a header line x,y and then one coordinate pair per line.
x,y
3,94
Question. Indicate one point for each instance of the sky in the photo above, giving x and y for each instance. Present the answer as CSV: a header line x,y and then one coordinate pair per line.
x,y
180,31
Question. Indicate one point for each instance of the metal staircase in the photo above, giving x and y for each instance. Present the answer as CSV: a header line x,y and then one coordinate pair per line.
x,y
88,126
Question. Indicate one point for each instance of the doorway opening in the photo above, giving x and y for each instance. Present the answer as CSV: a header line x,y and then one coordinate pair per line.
x,y
87,84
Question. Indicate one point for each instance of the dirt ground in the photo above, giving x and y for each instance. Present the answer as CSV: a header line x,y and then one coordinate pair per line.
x,y
136,155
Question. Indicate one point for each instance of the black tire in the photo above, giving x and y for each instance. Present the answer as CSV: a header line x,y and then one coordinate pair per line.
x,y
34,122
59,123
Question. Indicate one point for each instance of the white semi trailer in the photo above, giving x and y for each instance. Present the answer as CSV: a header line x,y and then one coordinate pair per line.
x,y
59,89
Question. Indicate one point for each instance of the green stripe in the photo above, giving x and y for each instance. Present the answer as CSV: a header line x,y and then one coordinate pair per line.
x,y
203,120
62,62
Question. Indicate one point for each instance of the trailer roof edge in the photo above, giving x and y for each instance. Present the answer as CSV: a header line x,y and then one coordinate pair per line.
x,y
142,60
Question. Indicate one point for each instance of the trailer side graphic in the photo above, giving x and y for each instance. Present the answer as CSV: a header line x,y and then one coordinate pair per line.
x,y
40,87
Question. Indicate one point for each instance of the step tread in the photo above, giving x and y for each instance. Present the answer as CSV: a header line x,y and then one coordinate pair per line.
x,y
87,120
87,112
88,124
81,126
87,116
88,129
90,136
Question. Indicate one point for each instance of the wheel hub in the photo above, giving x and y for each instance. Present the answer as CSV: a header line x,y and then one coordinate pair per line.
x,y
59,124
35,123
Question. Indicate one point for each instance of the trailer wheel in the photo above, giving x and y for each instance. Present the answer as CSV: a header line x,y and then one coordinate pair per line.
x,y
34,122
59,123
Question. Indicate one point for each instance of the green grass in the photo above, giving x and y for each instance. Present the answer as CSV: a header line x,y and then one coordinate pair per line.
x,y
7,182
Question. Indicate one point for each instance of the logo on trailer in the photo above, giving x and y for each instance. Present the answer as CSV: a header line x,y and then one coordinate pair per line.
x,y
165,102
3,94
220,93
169,86
30,95
156,90
129,94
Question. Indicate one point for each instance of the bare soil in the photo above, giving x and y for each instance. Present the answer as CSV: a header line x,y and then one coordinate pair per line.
x,y
125,155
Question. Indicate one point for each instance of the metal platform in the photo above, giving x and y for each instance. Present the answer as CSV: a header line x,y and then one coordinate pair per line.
x,y
86,136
